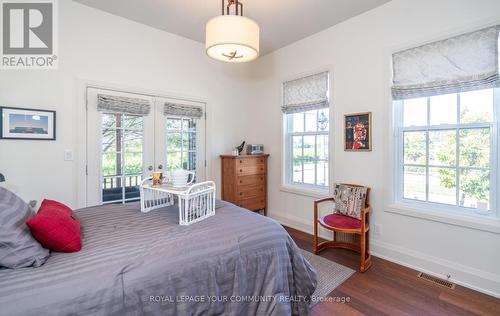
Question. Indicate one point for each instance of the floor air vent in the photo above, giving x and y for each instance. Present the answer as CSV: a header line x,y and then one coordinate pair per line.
x,y
436,280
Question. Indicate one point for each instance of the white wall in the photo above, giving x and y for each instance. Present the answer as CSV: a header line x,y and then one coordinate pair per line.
x,y
358,53
98,47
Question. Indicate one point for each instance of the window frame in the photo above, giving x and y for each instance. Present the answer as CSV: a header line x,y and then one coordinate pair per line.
x,y
398,152
181,131
297,187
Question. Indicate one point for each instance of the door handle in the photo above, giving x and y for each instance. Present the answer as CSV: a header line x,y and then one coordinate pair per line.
x,y
150,168
160,167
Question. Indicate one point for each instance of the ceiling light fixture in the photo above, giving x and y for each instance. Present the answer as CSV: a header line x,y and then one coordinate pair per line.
x,y
232,38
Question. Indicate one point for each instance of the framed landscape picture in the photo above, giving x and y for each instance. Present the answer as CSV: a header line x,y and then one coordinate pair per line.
x,y
358,131
34,124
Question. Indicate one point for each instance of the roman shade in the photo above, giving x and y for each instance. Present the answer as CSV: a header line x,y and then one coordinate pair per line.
x,y
305,94
116,104
176,109
458,64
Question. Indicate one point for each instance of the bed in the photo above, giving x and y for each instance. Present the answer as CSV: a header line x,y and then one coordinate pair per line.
x,y
233,263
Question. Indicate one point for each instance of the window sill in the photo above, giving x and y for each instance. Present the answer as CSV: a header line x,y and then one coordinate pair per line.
x,y
487,224
304,191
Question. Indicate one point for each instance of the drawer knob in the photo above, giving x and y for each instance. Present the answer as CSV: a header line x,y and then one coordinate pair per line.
x,y
241,193
241,161
241,170
241,181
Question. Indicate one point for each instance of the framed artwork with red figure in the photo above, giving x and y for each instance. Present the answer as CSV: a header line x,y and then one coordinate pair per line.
x,y
358,131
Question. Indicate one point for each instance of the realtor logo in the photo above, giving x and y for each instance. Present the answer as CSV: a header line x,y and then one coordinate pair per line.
x,y
28,34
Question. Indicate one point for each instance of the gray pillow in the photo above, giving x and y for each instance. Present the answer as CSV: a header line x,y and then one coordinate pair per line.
x,y
18,249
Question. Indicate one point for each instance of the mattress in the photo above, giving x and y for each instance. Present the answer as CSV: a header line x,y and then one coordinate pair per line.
x,y
234,263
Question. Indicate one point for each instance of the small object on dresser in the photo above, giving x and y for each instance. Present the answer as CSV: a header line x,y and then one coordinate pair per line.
x,y
240,147
235,152
2,178
255,149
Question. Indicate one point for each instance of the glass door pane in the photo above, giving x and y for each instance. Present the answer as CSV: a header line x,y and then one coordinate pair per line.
x,y
120,150
122,157
181,143
179,140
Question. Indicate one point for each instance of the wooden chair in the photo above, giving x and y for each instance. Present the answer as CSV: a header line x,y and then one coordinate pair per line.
x,y
348,233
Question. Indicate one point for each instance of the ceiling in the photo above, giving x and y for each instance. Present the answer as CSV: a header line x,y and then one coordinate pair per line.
x,y
281,22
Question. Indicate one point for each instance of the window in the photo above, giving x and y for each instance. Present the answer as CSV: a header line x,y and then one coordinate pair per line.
x,y
447,150
306,124
181,143
122,157
307,148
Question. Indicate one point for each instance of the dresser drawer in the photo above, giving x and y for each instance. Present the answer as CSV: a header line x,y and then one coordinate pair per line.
x,y
253,204
250,169
251,180
249,161
247,191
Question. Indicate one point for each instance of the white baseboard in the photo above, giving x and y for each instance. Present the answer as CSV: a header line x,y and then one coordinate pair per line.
x,y
475,279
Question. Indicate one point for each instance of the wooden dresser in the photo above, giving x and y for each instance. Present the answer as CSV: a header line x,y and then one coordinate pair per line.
x,y
244,181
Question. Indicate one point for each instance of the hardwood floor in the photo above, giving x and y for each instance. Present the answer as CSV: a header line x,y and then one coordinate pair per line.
x,y
390,289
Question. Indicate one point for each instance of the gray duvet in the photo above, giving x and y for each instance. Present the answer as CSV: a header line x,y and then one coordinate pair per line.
x,y
233,263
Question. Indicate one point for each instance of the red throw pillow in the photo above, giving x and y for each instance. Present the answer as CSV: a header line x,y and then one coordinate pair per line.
x,y
46,204
56,230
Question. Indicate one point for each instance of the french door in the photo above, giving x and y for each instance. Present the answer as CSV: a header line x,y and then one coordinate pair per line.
x,y
180,140
123,148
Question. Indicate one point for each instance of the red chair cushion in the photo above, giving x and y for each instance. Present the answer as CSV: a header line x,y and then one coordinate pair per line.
x,y
46,204
56,230
342,221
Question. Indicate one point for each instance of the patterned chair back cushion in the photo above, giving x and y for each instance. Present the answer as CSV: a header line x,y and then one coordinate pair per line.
x,y
349,200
